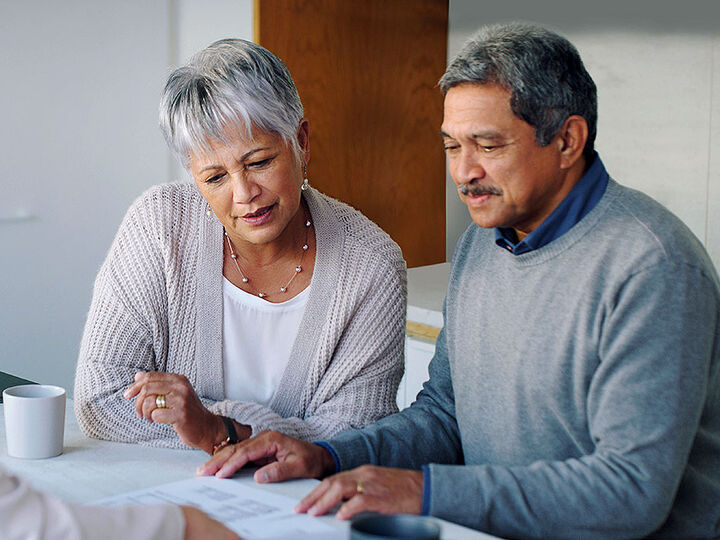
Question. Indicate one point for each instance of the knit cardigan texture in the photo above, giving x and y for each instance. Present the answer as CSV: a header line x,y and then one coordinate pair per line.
x,y
157,306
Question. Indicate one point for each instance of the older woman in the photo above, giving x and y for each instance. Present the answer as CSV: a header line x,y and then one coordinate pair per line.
x,y
249,300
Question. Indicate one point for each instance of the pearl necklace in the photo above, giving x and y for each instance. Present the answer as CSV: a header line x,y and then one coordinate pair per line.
x,y
298,268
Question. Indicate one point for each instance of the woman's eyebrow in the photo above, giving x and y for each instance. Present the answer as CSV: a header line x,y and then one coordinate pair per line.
x,y
244,157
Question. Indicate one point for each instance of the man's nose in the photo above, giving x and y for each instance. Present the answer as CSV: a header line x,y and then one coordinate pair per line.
x,y
467,169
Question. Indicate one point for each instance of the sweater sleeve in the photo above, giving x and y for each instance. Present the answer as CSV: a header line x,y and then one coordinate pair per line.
x,y
123,331
360,383
27,513
644,406
425,432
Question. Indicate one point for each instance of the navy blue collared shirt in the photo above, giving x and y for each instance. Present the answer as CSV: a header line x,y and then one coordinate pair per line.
x,y
581,199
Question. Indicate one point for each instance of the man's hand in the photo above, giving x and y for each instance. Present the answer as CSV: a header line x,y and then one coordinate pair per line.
x,y
367,488
198,526
283,458
195,425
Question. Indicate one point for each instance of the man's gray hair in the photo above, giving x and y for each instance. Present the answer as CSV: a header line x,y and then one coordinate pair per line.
x,y
542,71
231,87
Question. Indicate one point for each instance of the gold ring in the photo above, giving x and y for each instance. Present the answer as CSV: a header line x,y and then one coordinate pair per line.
x,y
359,488
160,401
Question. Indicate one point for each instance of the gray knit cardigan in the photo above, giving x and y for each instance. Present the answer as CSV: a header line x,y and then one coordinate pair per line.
x,y
157,306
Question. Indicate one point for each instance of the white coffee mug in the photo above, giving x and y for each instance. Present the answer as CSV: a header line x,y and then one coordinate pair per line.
x,y
34,420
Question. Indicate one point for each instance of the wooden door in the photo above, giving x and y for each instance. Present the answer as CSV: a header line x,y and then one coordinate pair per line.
x,y
367,74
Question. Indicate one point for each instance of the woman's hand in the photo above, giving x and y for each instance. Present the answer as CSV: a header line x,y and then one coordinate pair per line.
x,y
195,425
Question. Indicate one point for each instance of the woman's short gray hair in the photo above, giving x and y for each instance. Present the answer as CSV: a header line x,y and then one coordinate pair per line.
x,y
542,71
232,85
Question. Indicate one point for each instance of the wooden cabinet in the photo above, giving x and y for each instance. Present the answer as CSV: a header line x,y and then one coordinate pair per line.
x,y
367,74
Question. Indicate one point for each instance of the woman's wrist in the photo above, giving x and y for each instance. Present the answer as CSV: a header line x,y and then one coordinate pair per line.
x,y
225,434
216,434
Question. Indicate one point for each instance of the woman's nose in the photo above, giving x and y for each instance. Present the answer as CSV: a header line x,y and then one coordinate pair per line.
x,y
244,189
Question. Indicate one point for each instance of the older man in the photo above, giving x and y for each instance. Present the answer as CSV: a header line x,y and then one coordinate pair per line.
x,y
575,388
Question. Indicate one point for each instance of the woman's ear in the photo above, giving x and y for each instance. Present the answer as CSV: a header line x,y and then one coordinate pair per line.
x,y
571,140
303,136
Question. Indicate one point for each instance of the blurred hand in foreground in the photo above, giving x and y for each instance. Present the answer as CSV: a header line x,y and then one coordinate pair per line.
x,y
198,526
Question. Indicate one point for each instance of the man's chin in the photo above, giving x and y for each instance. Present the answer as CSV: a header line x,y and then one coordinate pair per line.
x,y
485,219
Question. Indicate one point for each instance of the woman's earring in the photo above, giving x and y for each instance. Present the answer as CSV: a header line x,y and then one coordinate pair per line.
x,y
306,182
209,211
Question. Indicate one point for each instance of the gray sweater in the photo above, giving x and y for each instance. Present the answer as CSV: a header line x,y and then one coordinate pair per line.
x,y
157,306
575,389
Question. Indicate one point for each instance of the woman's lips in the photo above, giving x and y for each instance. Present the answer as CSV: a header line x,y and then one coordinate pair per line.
x,y
260,216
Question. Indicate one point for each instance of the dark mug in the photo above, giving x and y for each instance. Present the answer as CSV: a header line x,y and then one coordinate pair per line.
x,y
379,526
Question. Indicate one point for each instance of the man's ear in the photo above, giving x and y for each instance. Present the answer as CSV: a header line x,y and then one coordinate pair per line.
x,y
571,140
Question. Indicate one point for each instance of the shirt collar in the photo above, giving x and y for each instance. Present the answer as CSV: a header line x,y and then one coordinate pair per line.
x,y
582,198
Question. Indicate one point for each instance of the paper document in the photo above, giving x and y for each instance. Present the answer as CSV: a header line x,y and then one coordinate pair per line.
x,y
249,511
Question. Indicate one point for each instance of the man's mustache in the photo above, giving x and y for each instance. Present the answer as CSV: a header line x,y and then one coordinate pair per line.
x,y
478,189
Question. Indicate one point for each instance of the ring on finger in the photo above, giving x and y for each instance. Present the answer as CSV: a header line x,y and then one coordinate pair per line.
x,y
160,401
359,488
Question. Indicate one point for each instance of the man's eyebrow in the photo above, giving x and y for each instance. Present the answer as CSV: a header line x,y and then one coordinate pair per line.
x,y
488,135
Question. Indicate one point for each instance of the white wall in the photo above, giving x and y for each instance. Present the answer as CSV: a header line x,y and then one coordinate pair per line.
x,y
81,80
657,68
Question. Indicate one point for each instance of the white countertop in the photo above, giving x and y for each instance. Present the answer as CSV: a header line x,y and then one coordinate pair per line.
x,y
91,469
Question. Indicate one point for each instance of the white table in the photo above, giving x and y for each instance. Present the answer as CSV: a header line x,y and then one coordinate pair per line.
x,y
90,469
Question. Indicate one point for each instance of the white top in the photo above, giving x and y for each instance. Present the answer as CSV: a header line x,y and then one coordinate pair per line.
x,y
258,337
